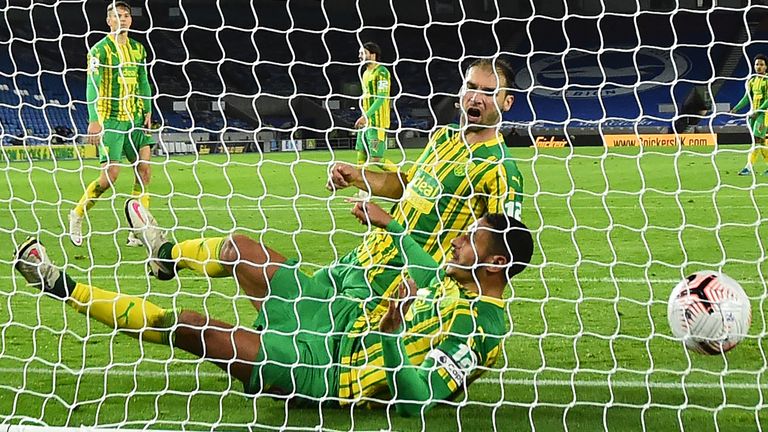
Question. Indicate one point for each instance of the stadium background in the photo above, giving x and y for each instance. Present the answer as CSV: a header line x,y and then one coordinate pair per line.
x,y
290,69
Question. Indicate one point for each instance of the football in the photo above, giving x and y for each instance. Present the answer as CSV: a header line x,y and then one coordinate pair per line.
x,y
709,312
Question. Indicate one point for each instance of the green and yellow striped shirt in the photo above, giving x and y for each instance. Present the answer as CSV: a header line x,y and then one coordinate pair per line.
x,y
450,187
376,85
117,83
447,327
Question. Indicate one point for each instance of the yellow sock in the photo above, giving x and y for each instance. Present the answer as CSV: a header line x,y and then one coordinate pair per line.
x,y
124,312
764,152
361,157
141,191
753,156
201,256
92,192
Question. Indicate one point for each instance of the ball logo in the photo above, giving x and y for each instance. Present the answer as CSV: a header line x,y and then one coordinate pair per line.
x,y
584,75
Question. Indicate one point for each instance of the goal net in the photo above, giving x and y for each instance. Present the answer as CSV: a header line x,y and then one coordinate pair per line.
x,y
620,127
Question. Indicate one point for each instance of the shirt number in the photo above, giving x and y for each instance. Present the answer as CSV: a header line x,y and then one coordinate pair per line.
x,y
514,209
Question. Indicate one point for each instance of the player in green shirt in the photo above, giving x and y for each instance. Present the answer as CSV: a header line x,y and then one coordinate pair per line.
x,y
312,342
464,172
371,141
756,97
119,114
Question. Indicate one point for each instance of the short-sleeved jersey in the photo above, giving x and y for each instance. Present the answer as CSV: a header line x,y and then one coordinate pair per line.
x,y
757,86
450,187
446,327
121,69
376,84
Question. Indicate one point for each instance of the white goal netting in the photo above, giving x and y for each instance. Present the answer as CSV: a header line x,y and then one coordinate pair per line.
x,y
620,128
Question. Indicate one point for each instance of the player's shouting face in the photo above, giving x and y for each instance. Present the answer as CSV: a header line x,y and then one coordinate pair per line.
x,y
484,98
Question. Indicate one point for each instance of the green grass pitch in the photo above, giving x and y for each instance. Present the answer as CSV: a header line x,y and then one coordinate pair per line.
x,y
589,347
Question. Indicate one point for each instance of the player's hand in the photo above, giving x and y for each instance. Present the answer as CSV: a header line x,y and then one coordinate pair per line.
x,y
367,212
148,121
361,122
341,176
398,307
94,131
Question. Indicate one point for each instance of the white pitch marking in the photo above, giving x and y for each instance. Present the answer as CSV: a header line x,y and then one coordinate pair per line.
x,y
512,381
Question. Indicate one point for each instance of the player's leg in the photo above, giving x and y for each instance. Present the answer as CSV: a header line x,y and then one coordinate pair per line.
x,y
763,151
110,153
139,152
360,148
251,263
758,127
377,147
232,349
363,147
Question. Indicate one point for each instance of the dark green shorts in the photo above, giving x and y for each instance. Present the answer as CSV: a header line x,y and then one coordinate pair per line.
x,y
373,141
301,324
123,138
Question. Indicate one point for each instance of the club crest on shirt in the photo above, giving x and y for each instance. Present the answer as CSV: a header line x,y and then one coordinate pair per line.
x,y
93,65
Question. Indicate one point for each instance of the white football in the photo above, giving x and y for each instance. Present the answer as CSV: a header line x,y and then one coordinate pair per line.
x,y
709,312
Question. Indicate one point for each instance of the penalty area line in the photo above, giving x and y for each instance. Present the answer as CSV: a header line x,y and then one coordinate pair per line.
x,y
623,280
506,381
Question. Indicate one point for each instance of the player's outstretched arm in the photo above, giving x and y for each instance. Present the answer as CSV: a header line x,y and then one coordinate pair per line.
x,y
414,390
742,103
383,184
93,83
145,92
421,266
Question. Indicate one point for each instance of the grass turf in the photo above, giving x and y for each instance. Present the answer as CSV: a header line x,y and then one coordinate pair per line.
x,y
589,345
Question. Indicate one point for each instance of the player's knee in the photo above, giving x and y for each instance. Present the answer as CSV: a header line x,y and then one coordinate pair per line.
x,y
234,248
113,172
188,334
241,247
192,319
145,173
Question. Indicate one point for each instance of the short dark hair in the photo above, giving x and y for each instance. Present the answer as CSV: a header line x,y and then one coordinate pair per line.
x,y
116,4
502,67
761,57
512,239
373,48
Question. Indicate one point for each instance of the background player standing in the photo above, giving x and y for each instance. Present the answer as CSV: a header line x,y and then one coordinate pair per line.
x,y
371,141
119,105
757,98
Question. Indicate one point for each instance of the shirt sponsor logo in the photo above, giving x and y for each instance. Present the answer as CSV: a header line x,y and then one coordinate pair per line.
x,y
425,185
